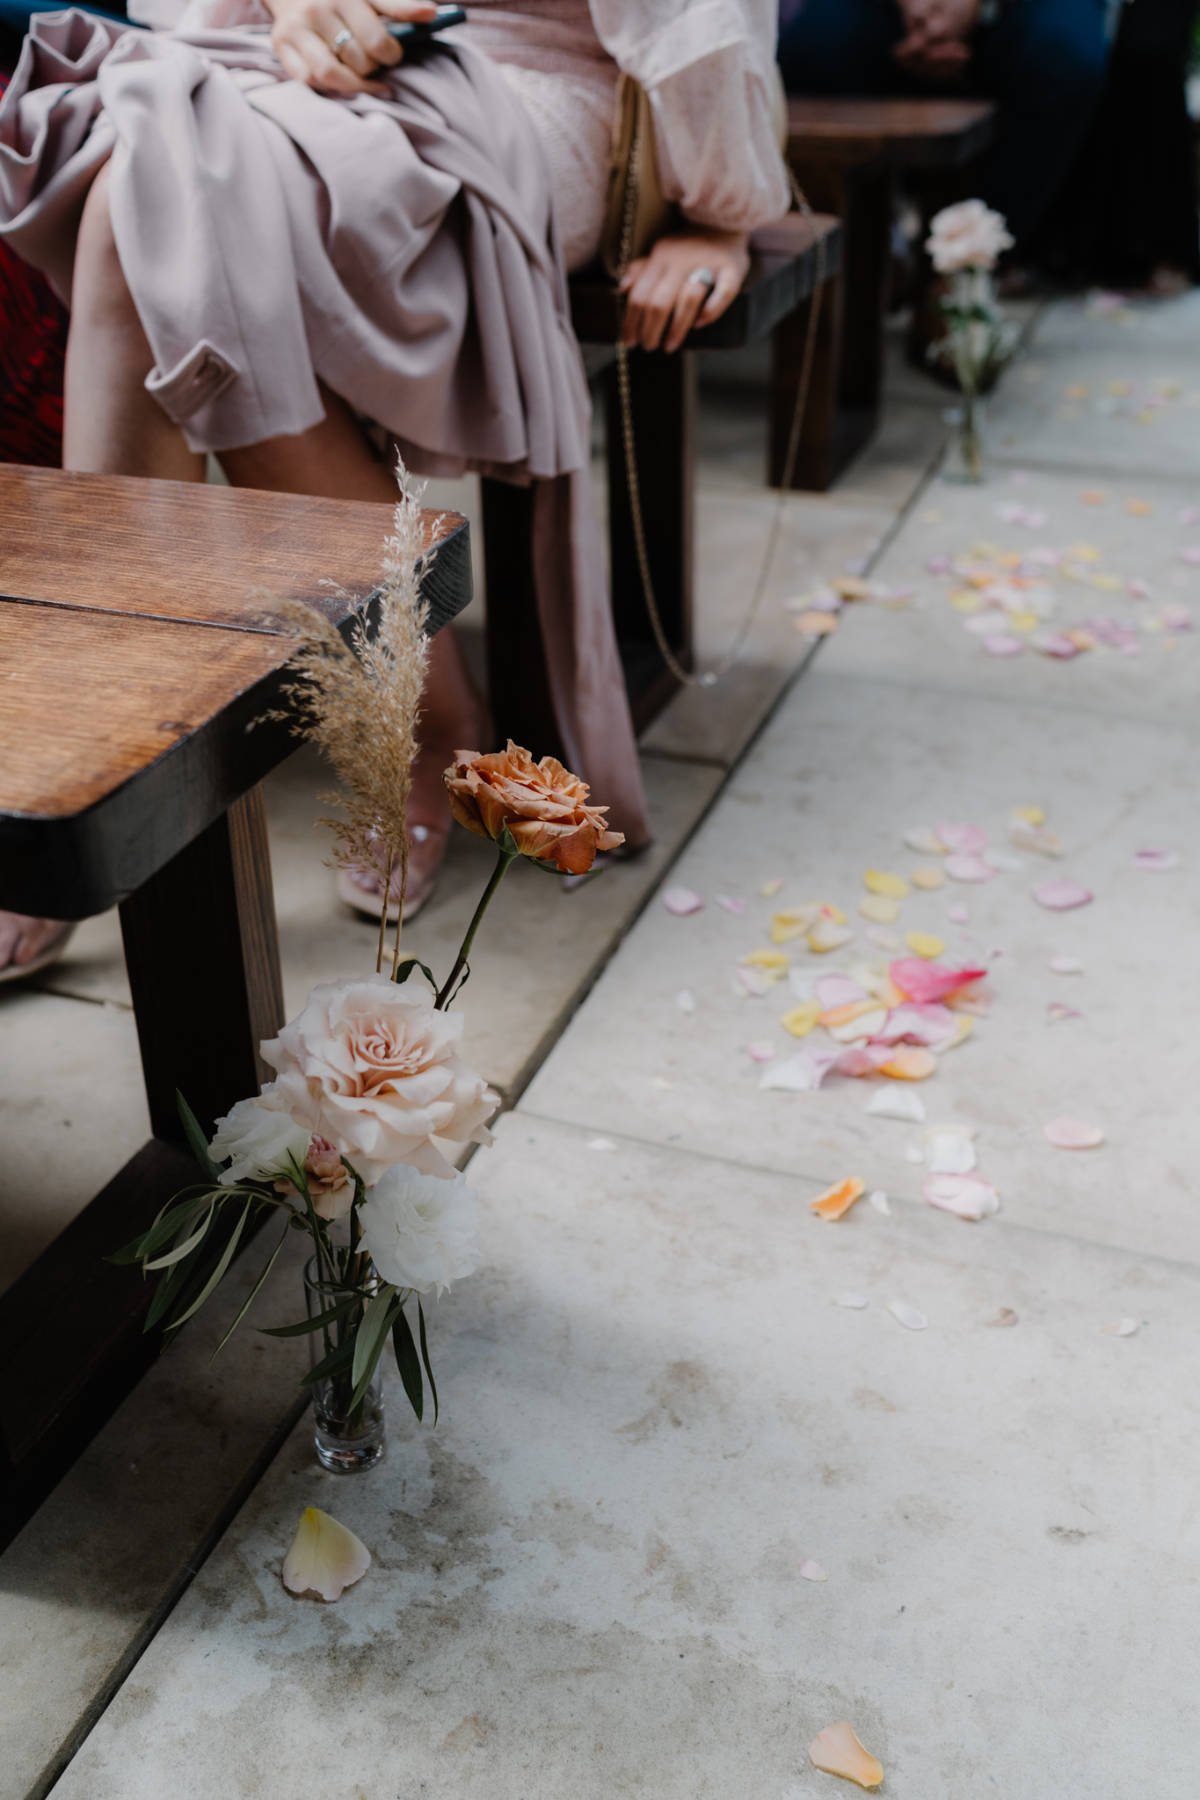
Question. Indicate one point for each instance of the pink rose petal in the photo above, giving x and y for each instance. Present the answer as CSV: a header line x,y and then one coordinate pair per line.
x,y
809,1570
838,990
1062,895
1072,1134
752,981
681,901
864,1059
966,1196
1058,1012
970,839
802,1073
1156,862
924,838
760,1053
1190,554
928,1024
966,867
958,914
926,982
1000,643
731,904
1053,643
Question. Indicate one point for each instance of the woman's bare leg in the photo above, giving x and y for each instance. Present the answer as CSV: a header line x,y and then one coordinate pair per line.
x,y
112,426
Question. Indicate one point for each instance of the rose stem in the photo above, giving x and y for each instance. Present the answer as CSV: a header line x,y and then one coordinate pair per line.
x,y
383,913
460,962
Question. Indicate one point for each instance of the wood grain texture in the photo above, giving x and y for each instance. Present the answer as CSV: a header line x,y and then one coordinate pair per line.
x,y
188,551
902,133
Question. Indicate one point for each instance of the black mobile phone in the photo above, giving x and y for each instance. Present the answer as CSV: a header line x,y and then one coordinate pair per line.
x,y
418,31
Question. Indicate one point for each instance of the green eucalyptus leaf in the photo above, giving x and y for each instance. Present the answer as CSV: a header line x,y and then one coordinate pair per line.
x,y
329,1365
425,1357
248,1302
197,1142
187,1246
223,1263
317,1323
408,1362
371,1333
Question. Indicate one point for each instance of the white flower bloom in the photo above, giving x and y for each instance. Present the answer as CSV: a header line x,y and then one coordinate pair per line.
x,y
967,236
420,1229
259,1143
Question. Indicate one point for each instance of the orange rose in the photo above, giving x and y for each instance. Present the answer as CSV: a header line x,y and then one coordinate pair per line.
x,y
542,804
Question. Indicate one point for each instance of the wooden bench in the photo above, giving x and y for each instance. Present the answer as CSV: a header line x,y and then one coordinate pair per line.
x,y
846,155
788,261
134,657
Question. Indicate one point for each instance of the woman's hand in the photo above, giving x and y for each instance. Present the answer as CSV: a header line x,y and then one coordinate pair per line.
x,y
663,301
306,32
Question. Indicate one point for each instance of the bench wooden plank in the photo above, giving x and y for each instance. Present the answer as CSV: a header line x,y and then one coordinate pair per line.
x,y
191,551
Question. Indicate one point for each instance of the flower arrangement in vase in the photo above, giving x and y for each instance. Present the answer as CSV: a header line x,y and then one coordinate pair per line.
x,y
348,1142
963,243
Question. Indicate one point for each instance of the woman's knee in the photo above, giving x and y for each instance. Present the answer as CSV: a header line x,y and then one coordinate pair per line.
x,y
98,289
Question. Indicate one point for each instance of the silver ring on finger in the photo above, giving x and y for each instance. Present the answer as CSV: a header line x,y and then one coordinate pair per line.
x,y
702,278
338,44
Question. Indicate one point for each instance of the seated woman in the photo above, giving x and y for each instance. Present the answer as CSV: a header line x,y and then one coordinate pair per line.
x,y
272,230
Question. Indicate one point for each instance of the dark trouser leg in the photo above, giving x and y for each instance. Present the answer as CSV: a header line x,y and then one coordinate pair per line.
x,y
1043,61
840,47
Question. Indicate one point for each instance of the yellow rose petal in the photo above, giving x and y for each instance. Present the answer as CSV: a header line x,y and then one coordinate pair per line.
x,y
879,908
793,922
773,960
1033,815
815,623
965,600
802,1018
880,881
923,943
928,877
1023,621
325,1558
827,935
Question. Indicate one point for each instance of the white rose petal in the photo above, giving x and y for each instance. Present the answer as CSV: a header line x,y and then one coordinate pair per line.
x,y
420,1230
258,1142
325,1558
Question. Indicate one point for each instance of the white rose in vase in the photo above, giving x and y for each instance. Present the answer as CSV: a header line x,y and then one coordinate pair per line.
x,y
967,236
421,1230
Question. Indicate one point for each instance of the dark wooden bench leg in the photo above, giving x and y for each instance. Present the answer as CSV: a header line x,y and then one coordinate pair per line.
x,y
518,682
203,960
815,466
663,391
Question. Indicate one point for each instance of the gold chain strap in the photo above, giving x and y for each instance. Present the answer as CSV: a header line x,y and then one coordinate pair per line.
x,y
709,677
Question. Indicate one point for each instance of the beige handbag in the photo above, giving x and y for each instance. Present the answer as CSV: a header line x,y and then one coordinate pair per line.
x,y
636,211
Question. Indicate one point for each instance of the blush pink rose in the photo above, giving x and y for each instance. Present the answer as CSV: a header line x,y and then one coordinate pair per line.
x,y
542,804
967,236
373,1068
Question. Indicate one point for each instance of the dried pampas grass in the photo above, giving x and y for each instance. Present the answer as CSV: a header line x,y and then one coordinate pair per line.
x,y
358,699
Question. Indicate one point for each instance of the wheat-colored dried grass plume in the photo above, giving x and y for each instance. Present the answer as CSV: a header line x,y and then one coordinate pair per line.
x,y
359,702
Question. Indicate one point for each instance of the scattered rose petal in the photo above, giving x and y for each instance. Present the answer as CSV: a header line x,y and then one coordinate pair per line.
x,y
1034,837
881,881
928,877
1156,862
755,982
896,1102
881,909
802,1018
950,1149
1005,1318
799,1074
966,1196
1058,1012
923,943
685,1000
908,1316
925,841
864,1025
809,1570
1001,643
863,1059
855,1302
794,921
1065,965
1072,1134
838,990
816,623
769,889
325,1558
836,1201
600,1143
929,981
836,1751
1061,895
880,935
1056,644
971,840
760,1053
731,904
929,1024
825,936
1120,1328
879,1200
969,868
958,914
909,1063
774,962
681,901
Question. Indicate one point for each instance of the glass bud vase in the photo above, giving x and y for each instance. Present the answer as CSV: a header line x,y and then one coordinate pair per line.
x,y
964,454
347,1438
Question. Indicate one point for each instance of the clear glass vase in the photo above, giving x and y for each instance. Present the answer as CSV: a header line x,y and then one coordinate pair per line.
x,y
347,1439
964,453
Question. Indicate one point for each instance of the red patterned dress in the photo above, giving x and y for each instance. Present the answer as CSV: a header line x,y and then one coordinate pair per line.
x,y
33,341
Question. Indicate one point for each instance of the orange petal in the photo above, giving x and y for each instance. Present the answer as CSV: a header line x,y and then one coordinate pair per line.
x,y
837,1751
836,1201
842,1015
910,1063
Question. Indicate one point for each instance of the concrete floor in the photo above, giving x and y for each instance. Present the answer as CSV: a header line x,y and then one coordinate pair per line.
x,y
587,1582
